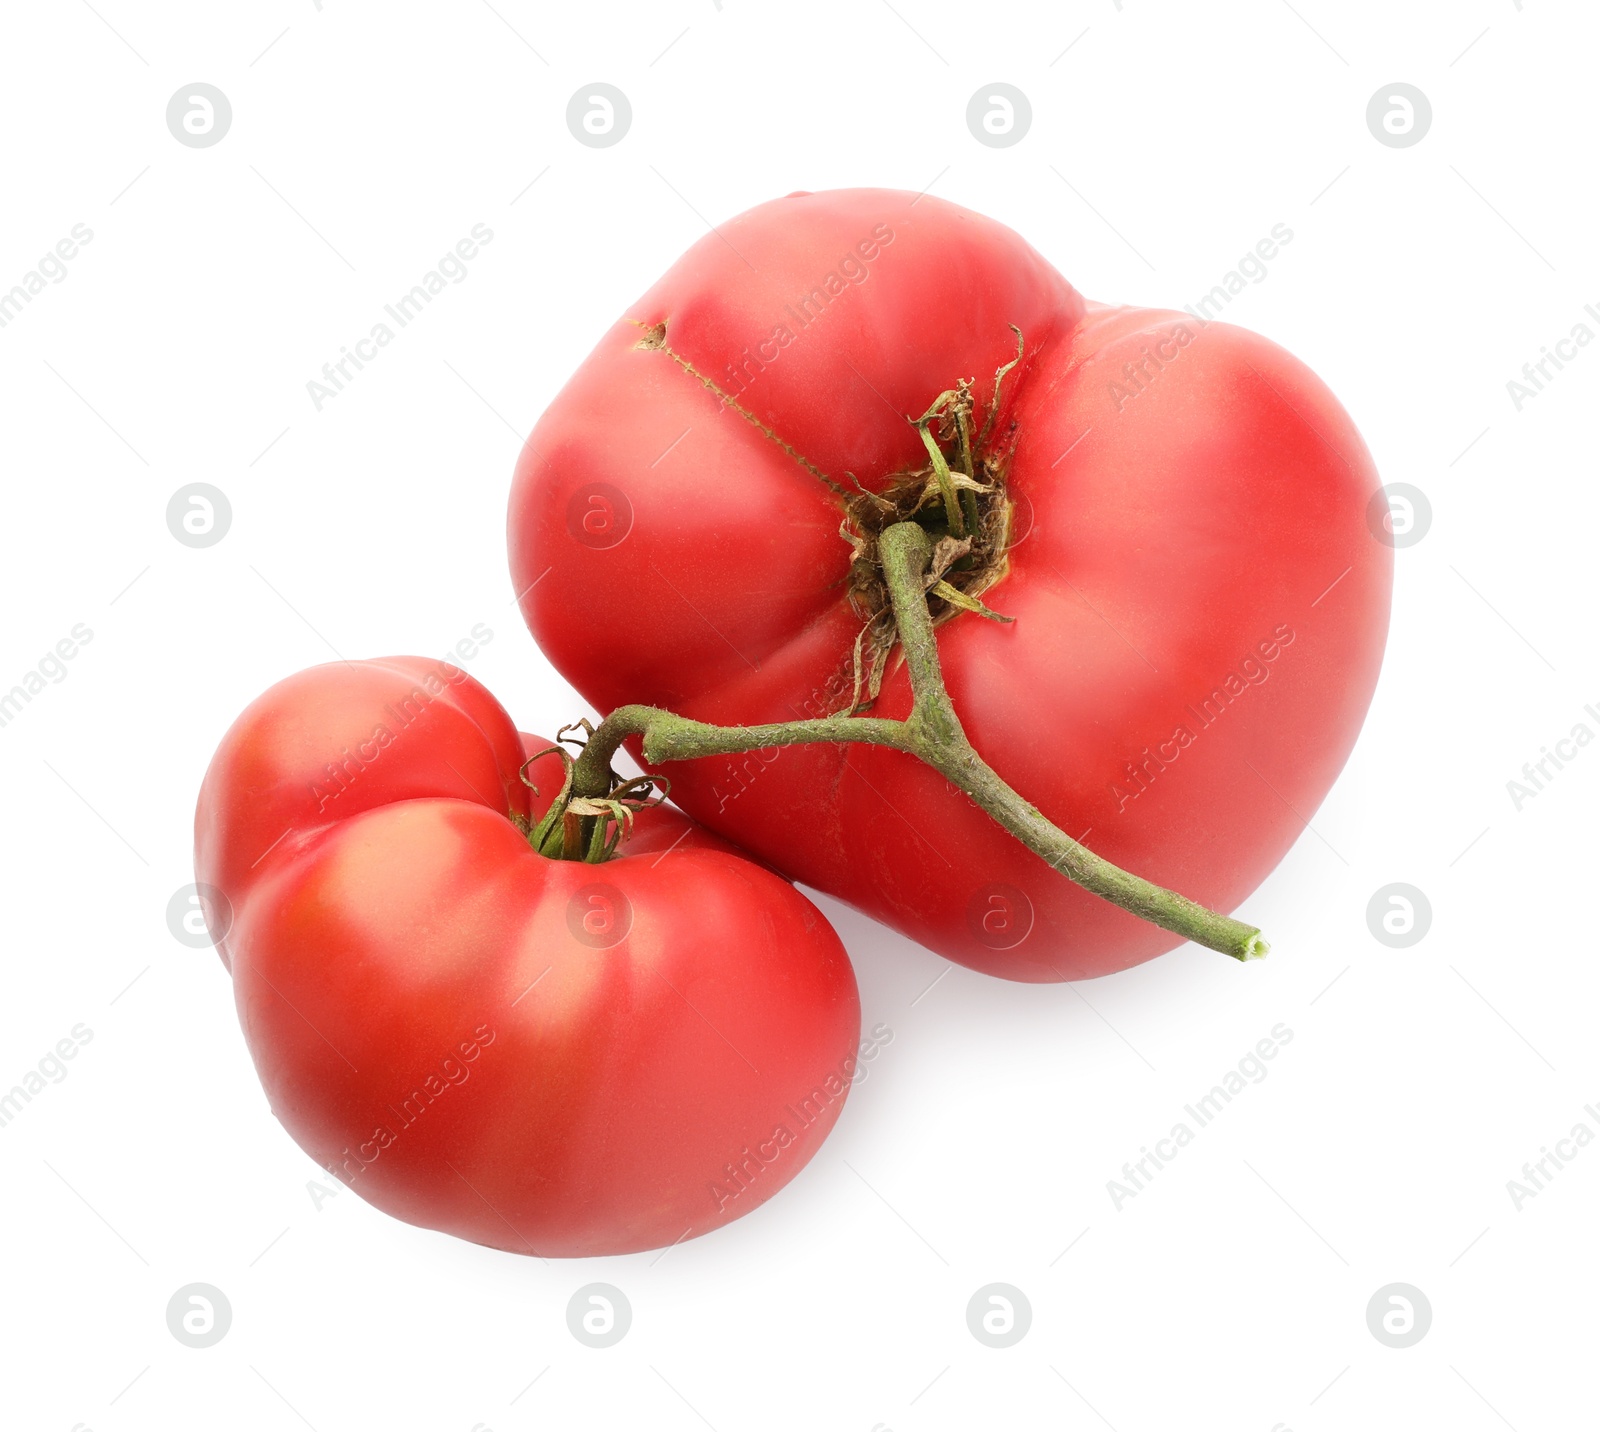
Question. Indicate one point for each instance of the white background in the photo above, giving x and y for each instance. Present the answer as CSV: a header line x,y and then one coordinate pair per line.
x,y
1167,138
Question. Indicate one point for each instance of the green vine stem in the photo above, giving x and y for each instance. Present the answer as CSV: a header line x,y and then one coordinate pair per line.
x,y
933,733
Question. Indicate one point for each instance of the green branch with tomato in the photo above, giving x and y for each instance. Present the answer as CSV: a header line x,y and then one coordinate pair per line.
x,y
912,548
577,825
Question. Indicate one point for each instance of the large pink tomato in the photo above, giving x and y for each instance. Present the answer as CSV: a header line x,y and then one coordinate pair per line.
x,y
1182,534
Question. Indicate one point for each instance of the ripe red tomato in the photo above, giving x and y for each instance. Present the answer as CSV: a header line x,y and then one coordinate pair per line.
x,y
1200,602
542,1055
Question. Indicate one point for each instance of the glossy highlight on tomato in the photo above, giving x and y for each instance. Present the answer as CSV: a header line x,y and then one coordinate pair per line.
x,y
1200,605
545,1056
